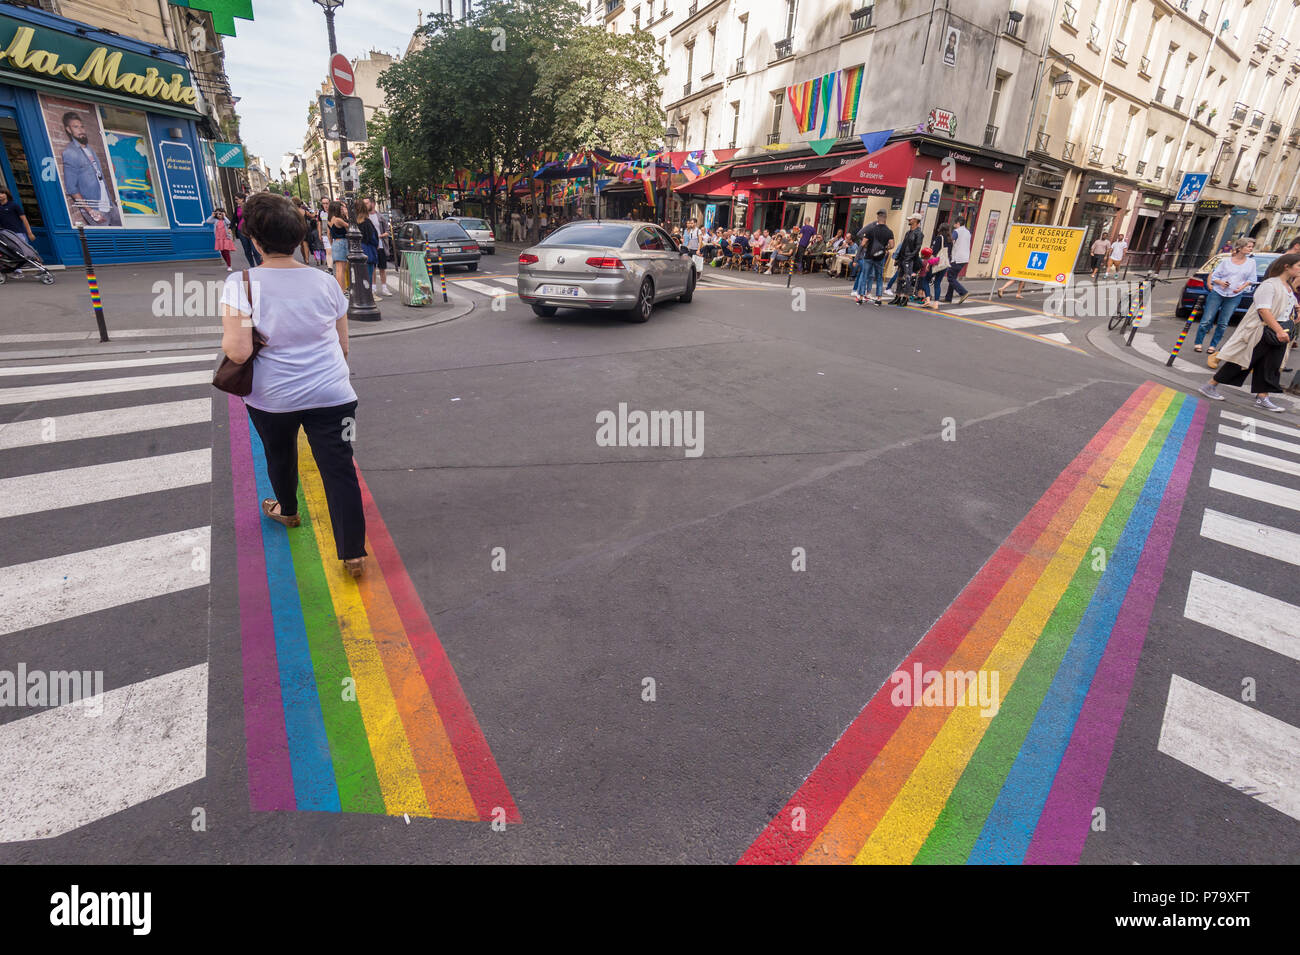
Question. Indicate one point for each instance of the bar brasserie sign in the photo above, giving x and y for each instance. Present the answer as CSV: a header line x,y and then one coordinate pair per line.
x,y
71,61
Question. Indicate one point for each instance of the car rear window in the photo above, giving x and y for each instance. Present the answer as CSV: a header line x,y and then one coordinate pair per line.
x,y
588,233
474,224
443,230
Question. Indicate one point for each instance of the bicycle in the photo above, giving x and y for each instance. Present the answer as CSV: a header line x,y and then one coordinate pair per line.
x,y
1123,317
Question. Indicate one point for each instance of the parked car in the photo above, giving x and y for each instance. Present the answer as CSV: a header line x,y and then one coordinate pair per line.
x,y
455,243
610,264
1197,286
479,230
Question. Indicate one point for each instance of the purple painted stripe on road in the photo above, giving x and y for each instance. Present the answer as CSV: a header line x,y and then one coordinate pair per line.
x,y
1067,816
270,778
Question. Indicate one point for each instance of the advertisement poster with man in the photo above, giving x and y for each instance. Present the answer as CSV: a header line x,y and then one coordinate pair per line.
x,y
82,159
950,45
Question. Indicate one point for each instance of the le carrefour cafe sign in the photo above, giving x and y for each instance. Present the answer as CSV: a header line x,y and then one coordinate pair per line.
x,y
38,56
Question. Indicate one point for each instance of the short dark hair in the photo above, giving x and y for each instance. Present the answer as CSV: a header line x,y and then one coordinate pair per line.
x,y
274,222
70,116
1281,264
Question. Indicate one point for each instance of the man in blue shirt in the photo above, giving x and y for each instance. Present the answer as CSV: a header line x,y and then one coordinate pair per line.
x,y
83,176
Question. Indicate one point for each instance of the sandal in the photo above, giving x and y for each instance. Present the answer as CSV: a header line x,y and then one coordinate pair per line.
x,y
1198,348
355,566
1212,350
999,293
271,508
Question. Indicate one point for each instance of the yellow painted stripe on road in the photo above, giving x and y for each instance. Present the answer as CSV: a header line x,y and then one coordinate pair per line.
x,y
904,827
399,780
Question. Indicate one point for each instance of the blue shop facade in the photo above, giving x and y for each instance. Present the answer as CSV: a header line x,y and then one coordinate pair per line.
x,y
101,131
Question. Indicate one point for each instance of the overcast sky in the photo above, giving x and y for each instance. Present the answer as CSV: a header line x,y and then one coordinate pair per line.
x,y
277,61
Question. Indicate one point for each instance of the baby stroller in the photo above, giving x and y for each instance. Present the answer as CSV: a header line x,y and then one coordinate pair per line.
x,y
13,256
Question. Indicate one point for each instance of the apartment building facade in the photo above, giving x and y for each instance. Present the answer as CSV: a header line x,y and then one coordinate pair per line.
x,y
1140,92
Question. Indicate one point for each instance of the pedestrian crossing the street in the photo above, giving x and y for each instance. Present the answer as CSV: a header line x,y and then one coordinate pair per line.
x,y
105,479
1230,740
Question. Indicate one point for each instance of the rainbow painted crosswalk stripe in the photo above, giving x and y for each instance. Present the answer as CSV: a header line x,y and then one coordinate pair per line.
x,y
350,703
1059,613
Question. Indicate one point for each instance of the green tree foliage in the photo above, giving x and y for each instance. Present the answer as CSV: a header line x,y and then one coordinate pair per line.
x,y
516,77
410,169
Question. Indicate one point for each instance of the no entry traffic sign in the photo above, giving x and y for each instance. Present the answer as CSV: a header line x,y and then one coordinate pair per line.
x,y
345,81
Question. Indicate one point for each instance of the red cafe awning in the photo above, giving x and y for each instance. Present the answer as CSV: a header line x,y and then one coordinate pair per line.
x,y
884,172
716,183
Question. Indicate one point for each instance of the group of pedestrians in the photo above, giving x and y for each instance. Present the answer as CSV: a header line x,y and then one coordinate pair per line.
x,y
920,269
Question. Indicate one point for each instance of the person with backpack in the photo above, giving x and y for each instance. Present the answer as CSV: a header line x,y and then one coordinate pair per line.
x,y
874,244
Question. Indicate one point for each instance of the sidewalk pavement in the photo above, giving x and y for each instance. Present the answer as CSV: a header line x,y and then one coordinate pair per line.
x,y
154,306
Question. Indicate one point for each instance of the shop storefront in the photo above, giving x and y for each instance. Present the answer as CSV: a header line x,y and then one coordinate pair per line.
x,y
1101,210
766,182
98,130
1149,230
1203,235
1040,194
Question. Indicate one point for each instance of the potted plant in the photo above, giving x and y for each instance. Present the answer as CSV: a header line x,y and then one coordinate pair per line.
x,y
1200,107
1210,118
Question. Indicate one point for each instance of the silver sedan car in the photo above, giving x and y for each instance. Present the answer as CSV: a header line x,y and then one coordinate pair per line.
x,y
609,264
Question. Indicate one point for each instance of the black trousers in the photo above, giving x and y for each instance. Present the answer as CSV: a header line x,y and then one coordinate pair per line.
x,y
1265,370
333,453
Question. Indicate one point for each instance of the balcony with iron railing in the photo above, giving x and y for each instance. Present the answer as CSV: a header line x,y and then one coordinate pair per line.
x,y
1252,186
1144,66
1178,104
1069,16
1041,142
1067,151
1239,112
1274,129
739,67
1160,95
1294,138
1270,202
1094,154
1094,37
1289,204
1202,17
844,128
1120,50
1141,169
1257,119
783,49
1159,174
686,88
860,19
1185,6
990,134
1121,163
773,138
1265,38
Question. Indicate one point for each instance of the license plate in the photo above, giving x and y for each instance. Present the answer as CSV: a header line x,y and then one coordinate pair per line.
x,y
569,290
451,248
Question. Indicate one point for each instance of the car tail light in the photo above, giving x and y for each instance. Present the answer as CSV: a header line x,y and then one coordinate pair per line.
x,y
527,258
605,262
1195,283
472,247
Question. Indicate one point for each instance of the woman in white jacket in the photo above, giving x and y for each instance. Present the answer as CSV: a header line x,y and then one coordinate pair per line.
x,y
1258,346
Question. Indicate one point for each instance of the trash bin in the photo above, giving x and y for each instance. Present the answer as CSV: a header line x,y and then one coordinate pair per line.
x,y
413,283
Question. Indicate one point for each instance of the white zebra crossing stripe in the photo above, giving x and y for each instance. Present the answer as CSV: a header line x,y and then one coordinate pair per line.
x,y
1024,321
102,386
1254,437
508,280
970,311
99,424
1259,490
1257,459
59,588
185,332
1241,747
1252,536
1257,618
489,290
73,487
65,769
24,370
1266,423
1057,337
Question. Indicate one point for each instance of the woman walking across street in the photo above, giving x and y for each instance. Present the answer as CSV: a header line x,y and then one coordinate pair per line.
x,y
222,240
1227,284
338,227
1258,346
369,237
251,255
300,376
942,259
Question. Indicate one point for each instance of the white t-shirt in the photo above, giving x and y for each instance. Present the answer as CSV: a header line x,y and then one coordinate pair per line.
x,y
1117,249
1276,296
960,244
302,364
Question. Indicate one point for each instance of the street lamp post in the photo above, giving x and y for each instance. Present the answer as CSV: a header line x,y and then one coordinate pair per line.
x,y
361,302
670,140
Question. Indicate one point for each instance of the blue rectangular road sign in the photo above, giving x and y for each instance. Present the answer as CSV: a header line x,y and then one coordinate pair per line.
x,y
1037,261
1191,187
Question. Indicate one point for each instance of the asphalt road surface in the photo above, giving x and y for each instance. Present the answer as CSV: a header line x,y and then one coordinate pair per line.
x,y
572,652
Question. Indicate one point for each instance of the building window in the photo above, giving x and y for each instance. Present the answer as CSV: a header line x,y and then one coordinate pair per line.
x,y
713,48
685,123
790,9
735,123
999,84
778,106
636,19
704,134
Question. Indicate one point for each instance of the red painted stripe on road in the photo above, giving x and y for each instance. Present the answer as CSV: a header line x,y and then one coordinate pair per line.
x,y
839,771
477,765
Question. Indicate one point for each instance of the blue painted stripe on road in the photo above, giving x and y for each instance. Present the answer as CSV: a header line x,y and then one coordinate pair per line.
x,y
1010,825
309,751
